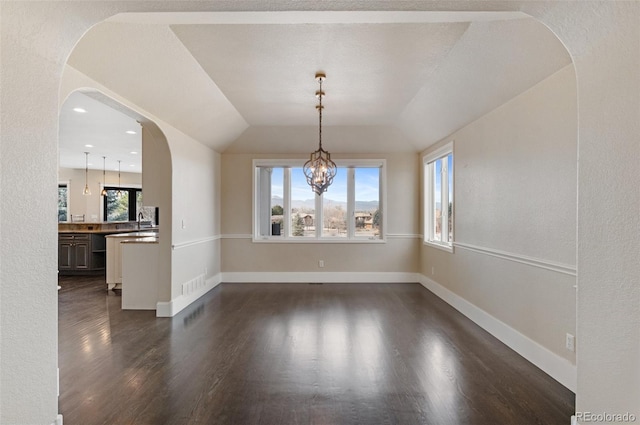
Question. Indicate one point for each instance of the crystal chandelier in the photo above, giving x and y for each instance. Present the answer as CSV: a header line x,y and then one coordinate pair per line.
x,y
320,169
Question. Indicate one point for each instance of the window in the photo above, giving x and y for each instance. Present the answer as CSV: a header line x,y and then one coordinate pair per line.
x,y
438,184
63,202
287,210
123,208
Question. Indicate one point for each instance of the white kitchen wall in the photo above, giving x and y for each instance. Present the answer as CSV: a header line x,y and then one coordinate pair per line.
x,y
92,205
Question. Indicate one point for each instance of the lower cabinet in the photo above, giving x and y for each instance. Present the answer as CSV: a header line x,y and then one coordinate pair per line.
x,y
81,252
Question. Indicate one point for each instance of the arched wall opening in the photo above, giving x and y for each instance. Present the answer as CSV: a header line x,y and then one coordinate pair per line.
x,y
156,165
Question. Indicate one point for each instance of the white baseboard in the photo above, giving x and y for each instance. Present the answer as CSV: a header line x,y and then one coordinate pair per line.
x,y
176,305
58,420
319,277
559,368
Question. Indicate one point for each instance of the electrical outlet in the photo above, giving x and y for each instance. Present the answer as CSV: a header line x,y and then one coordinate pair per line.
x,y
320,263
184,224
570,342
433,271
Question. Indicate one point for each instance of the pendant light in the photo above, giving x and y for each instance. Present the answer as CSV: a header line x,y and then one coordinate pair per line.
x,y
86,190
119,192
320,169
104,178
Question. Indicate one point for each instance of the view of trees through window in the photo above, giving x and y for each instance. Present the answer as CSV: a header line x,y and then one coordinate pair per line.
x,y
63,202
303,206
443,166
124,206
355,193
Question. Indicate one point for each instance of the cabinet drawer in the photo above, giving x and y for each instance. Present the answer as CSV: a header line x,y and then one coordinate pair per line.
x,y
74,236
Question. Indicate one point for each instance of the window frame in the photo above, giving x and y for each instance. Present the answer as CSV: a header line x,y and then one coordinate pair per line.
x,y
428,161
132,191
285,237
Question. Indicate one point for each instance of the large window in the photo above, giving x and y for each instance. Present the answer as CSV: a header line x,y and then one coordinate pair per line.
x,y
286,209
124,207
438,184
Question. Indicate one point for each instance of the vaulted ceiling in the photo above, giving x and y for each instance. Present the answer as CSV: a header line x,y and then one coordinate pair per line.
x,y
245,82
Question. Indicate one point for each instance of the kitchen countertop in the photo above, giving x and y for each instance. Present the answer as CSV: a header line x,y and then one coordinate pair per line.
x,y
140,240
104,227
141,234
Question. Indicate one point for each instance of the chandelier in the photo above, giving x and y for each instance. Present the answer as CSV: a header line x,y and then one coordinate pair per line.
x,y
320,169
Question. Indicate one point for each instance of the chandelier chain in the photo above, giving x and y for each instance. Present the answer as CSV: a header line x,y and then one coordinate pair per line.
x,y
320,115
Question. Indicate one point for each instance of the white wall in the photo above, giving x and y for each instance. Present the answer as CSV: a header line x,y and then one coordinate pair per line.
x,y
196,215
515,173
92,205
158,191
604,41
398,255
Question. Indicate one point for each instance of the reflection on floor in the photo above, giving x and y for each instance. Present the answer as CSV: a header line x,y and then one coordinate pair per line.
x,y
293,354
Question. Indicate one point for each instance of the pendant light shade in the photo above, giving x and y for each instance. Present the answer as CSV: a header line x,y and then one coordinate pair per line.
x,y
104,179
320,169
86,190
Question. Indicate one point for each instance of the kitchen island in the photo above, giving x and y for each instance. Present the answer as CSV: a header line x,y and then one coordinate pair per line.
x,y
114,253
140,258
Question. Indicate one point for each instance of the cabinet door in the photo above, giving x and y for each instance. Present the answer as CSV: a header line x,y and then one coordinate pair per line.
x,y
65,255
83,255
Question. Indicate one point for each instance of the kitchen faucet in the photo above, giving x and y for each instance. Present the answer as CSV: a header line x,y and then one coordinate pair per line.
x,y
140,217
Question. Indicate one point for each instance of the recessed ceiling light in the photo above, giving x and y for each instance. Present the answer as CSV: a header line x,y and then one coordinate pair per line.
x,y
133,153
88,146
130,132
79,110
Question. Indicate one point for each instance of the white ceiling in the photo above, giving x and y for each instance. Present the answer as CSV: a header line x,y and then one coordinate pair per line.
x,y
245,82
102,127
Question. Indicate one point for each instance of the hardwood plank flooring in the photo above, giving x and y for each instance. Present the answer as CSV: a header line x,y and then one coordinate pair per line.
x,y
293,354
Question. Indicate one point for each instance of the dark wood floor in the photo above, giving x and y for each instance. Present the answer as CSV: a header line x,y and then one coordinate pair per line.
x,y
293,354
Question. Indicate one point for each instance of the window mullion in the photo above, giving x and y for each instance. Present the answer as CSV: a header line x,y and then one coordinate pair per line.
x,y
445,200
351,203
264,201
319,215
286,218
432,171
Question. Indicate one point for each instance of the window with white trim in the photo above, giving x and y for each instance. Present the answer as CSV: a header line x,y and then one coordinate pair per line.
x,y
438,196
287,210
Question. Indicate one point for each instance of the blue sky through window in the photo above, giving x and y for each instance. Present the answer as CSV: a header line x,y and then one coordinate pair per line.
x,y
367,185
438,178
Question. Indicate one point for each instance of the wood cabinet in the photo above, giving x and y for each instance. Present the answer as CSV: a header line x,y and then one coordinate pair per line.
x,y
81,253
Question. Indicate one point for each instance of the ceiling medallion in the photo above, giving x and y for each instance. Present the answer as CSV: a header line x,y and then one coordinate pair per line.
x,y
320,169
